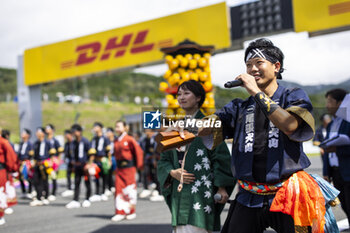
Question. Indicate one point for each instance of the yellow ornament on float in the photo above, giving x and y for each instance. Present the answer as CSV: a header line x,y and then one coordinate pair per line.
x,y
185,77
203,77
207,55
181,70
188,56
184,62
168,58
179,57
198,71
202,62
173,103
209,95
205,104
174,64
196,56
163,86
208,86
193,64
194,76
210,111
169,98
167,74
174,79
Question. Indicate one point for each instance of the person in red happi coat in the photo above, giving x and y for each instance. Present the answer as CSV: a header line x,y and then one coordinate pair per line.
x,y
8,163
129,156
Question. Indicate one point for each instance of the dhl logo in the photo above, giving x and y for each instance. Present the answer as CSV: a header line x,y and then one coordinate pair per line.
x,y
114,48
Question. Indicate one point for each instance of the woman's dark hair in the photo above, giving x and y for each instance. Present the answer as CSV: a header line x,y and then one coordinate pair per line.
x,y
196,88
337,94
268,48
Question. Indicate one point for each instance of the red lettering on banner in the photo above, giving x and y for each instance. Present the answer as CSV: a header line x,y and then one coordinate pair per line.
x,y
119,47
83,57
87,53
138,43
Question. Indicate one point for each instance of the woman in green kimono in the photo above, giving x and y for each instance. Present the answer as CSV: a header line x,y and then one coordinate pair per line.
x,y
205,174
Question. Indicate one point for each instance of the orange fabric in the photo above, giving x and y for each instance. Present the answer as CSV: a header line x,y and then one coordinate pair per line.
x,y
301,197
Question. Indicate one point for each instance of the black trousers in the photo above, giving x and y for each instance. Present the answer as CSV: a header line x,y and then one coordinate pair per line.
x,y
41,183
54,186
110,179
23,187
104,177
79,174
69,174
344,188
149,173
242,219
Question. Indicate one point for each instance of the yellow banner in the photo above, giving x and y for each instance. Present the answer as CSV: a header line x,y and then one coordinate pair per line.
x,y
127,46
318,15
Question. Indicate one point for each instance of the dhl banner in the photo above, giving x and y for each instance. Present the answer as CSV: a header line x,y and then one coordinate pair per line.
x,y
318,15
127,46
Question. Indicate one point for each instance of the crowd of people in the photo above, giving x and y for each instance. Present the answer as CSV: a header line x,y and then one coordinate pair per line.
x,y
267,160
109,163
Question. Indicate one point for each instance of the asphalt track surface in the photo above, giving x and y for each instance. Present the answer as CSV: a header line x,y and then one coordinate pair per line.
x,y
152,217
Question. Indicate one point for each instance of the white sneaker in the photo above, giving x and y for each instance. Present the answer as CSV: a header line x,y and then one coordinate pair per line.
x,y
108,193
95,198
118,217
29,196
86,204
145,193
46,202
52,198
72,205
152,186
157,198
8,211
155,193
67,193
2,221
113,190
104,197
36,202
34,194
130,216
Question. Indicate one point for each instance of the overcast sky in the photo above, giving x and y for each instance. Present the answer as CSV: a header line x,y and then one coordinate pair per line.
x,y
30,23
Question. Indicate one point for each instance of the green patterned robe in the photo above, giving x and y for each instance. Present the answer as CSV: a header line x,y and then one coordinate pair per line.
x,y
195,205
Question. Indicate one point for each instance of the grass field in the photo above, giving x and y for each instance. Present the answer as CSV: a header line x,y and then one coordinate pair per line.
x,y
62,115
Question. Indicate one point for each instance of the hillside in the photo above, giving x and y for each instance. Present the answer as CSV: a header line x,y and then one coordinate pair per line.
x,y
123,87
63,115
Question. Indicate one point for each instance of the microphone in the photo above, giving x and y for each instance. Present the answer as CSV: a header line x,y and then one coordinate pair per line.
x,y
234,83
217,197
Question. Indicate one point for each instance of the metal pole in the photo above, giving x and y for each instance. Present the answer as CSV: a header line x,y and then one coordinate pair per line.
x,y
29,102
